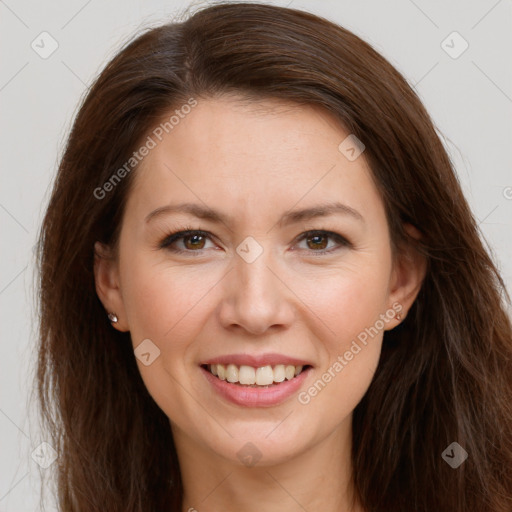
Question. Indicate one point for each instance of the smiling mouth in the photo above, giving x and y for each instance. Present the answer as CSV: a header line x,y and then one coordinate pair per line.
x,y
248,376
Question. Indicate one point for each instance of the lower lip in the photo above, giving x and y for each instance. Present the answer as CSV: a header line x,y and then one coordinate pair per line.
x,y
256,397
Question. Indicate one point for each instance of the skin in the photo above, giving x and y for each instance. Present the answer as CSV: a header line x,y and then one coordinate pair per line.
x,y
254,162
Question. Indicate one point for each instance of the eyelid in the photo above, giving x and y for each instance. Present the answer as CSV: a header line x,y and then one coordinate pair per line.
x,y
340,240
183,233
187,231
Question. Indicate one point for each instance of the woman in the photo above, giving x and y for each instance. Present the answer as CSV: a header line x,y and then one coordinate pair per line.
x,y
262,287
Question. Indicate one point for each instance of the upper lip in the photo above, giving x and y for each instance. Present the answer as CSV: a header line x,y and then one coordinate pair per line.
x,y
257,361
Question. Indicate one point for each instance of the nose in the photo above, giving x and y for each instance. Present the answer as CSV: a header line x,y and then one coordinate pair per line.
x,y
256,297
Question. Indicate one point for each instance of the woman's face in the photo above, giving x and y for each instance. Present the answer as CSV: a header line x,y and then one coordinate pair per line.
x,y
253,290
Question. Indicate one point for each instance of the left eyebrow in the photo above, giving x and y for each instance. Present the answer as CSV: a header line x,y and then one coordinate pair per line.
x,y
289,217
322,210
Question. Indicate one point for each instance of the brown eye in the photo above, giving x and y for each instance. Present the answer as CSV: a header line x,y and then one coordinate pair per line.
x,y
189,241
194,242
323,242
317,242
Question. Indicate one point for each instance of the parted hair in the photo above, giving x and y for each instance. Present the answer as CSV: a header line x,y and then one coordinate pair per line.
x,y
445,374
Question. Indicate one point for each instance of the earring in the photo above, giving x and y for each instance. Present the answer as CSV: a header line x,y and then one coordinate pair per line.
x,y
399,316
113,318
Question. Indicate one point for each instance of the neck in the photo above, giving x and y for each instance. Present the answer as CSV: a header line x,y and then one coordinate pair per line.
x,y
319,478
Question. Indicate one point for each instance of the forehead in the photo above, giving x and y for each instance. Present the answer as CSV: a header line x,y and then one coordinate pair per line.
x,y
252,155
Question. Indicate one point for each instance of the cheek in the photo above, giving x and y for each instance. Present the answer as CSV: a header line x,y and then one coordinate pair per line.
x,y
348,304
163,303
169,307
350,347
346,300
340,385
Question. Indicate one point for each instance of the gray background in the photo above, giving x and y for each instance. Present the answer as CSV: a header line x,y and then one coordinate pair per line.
x,y
469,98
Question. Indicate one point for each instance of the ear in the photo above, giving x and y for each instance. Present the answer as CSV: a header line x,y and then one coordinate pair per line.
x,y
407,277
106,276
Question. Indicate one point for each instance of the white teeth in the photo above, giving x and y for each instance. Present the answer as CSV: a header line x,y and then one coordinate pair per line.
x,y
249,376
221,371
264,376
232,373
246,375
289,372
279,373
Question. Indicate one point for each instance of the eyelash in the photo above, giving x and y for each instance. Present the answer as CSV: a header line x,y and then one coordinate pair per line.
x,y
188,231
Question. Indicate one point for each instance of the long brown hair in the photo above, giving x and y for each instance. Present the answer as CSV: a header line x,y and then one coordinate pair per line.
x,y
445,374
